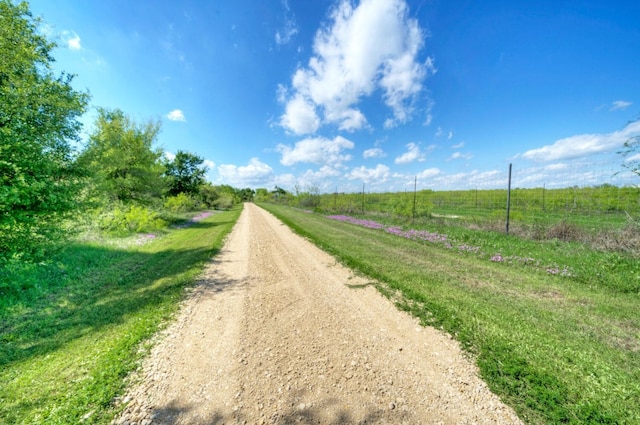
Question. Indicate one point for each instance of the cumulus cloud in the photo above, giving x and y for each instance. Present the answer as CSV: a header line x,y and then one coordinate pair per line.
x,y
380,174
584,144
373,153
286,181
176,115
71,39
428,173
412,154
169,155
620,105
209,164
316,150
255,173
374,45
300,116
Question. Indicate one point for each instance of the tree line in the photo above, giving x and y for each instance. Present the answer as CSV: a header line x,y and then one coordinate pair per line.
x,y
45,178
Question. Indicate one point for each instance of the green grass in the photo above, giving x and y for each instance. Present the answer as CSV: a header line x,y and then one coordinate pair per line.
x,y
558,349
589,208
72,328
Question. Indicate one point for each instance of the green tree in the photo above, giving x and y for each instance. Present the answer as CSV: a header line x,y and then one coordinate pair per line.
x,y
209,194
246,194
262,195
121,159
185,173
38,122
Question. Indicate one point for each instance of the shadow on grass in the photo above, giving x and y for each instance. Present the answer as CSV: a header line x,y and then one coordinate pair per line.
x,y
98,287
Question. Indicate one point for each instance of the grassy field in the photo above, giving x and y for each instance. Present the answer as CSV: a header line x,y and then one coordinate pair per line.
x,y
72,328
586,207
553,326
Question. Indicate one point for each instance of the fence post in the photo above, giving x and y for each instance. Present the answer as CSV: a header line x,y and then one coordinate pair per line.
x,y
508,199
415,187
362,198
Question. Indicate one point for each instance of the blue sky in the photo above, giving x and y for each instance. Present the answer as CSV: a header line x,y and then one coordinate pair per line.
x,y
336,94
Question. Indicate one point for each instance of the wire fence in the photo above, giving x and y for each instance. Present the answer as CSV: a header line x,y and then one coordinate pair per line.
x,y
593,195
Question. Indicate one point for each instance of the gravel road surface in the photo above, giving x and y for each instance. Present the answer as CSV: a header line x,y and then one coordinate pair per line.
x,y
277,332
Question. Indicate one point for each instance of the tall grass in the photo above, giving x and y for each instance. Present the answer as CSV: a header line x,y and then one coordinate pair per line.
x,y
73,327
558,347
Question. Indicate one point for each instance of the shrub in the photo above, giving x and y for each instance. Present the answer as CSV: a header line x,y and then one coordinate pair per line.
x,y
224,202
565,232
132,219
181,203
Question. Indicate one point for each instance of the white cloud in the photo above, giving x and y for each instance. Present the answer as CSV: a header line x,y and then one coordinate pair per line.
x,y
620,105
286,181
176,115
556,167
428,173
169,156
460,155
71,39
583,144
255,173
632,158
317,150
321,178
373,45
373,153
450,135
300,116
209,164
458,145
380,174
289,29
472,179
413,154
429,117
438,132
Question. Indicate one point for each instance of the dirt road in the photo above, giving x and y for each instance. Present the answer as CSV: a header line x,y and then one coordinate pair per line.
x,y
278,333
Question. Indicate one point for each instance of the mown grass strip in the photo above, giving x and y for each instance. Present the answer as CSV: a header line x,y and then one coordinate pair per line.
x,y
76,325
554,347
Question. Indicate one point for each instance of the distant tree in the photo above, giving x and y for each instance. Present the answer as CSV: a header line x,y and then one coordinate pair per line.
x,y
209,194
185,173
280,195
38,121
246,194
262,194
121,158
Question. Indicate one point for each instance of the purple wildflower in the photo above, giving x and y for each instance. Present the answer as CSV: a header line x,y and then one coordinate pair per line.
x,y
497,258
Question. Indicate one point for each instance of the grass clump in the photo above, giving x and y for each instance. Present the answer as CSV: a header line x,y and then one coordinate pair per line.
x,y
557,347
75,325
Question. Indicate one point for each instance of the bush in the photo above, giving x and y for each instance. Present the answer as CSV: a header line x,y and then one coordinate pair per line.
x,y
181,203
224,202
132,219
564,231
